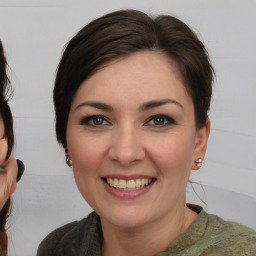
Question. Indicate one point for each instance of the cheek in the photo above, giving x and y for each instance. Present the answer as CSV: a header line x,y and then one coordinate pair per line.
x,y
173,154
86,152
87,155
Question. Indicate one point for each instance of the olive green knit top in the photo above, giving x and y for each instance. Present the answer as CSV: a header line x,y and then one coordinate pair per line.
x,y
208,235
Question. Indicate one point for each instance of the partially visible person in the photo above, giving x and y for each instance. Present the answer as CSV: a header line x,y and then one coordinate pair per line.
x,y
10,168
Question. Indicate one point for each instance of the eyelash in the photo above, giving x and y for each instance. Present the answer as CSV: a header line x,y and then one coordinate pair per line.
x,y
164,118
88,119
167,120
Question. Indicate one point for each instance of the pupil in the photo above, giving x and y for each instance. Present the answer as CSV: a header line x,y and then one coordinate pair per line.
x,y
159,121
98,121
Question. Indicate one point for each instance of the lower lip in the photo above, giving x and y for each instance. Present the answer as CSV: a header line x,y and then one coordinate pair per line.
x,y
127,194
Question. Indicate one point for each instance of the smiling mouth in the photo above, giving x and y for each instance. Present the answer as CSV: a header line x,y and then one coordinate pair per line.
x,y
132,184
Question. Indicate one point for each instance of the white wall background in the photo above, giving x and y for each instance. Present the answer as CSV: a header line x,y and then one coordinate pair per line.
x,y
34,33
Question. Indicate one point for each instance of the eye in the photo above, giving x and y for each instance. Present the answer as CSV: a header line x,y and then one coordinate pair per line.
x,y
95,120
160,120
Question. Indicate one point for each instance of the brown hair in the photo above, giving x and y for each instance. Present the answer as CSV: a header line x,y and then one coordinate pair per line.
x,y
5,111
125,32
6,114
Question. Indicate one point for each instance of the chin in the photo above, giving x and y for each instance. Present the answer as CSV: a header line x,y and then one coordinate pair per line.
x,y
126,218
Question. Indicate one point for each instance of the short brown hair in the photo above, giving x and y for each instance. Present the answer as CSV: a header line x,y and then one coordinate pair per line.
x,y
125,32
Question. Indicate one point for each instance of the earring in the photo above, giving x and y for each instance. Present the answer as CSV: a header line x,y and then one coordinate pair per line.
x,y
198,162
68,161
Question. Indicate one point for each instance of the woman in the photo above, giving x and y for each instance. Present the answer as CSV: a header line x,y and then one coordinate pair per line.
x,y
131,98
10,169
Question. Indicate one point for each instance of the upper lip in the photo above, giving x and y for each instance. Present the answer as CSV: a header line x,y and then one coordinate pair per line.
x,y
127,177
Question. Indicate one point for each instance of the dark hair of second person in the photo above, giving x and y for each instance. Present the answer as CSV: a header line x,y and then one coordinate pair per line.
x,y
6,115
5,110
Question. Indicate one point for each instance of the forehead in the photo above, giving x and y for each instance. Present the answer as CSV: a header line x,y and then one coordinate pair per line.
x,y
146,75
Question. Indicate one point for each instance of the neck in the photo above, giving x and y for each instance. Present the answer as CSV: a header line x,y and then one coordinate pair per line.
x,y
148,239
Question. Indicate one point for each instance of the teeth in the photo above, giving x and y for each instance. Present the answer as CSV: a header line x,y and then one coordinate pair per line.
x,y
138,183
116,183
110,182
129,184
122,184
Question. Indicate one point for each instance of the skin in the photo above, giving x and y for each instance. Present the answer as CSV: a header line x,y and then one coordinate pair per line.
x,y
9,169
128,139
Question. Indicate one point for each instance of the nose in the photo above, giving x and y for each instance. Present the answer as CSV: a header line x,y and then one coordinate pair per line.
x,y
126,146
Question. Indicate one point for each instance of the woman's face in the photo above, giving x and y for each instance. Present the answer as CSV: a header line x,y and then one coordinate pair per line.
x,y
132,139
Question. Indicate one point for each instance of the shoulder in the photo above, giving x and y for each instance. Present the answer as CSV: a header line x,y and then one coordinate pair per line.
x,y
229,237
228,227
67,238
209,235
56,238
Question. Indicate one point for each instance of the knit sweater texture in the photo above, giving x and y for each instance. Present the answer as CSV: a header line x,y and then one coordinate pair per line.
x,y
208,235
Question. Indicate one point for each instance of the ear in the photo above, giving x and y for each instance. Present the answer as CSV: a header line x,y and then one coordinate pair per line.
x,y
201,140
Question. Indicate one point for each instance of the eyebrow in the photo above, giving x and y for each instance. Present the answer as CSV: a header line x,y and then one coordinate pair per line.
x,y
98,105
145,106
158,103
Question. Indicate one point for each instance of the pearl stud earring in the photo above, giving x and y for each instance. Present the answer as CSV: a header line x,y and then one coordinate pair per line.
x,y
198,162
